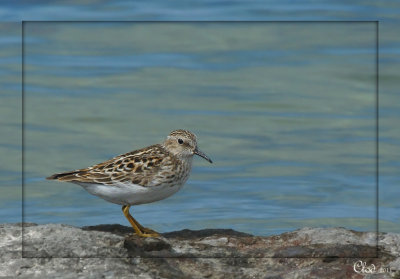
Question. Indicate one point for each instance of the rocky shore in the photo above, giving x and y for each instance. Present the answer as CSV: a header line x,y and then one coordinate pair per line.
x,y
112,251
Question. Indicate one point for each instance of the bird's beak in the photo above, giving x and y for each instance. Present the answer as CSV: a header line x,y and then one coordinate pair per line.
x,y
201,154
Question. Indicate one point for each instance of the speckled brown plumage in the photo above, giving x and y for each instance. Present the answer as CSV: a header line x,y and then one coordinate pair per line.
x,y
150,166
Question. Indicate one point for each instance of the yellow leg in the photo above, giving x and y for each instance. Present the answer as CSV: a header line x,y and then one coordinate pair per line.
x,y
139,229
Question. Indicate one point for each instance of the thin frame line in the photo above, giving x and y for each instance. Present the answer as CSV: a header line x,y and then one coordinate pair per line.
x,y
200,257
23,134
377,132
202,22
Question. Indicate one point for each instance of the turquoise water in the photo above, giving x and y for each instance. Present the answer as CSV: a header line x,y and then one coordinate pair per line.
x,y
285,110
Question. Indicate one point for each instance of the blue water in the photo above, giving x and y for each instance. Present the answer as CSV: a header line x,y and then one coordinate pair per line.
x,y
285,110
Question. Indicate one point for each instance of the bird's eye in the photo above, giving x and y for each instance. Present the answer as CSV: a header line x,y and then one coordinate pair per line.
x,y
180,141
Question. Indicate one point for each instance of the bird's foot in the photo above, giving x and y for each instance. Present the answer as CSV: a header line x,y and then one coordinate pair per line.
x,y
146,232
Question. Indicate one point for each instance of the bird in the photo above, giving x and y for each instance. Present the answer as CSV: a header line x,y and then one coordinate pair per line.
x,y
141,176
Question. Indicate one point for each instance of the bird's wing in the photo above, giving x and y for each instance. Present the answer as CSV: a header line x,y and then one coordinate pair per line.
x,y
142,167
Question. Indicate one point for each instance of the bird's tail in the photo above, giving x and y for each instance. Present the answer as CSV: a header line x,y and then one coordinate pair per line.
x,y
64,176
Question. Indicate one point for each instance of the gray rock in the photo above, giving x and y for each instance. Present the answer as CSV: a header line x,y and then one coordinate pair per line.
x,y
112,251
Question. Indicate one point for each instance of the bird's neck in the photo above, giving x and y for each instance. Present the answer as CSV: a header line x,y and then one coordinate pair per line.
x,y
186,161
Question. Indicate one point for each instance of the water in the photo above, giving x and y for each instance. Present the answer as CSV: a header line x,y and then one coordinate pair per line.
x,y
285,110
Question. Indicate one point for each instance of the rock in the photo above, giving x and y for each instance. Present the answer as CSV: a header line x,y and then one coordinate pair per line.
x,y
113,251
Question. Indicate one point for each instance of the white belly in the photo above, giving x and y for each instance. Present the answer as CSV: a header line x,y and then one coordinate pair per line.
x,y
131,194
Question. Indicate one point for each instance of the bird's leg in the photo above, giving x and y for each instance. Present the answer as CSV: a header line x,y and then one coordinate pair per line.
x,y
131,219
139,229
143,229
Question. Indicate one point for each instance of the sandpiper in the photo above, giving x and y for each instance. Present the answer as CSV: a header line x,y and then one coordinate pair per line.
x,y
142,176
